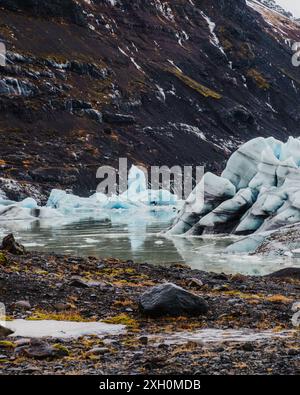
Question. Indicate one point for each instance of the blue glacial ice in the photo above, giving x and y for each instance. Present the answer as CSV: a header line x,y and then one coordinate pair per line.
x,y
259,191
63,207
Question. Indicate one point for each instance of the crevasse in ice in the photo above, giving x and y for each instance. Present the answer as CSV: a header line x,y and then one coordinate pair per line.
x,y
258,191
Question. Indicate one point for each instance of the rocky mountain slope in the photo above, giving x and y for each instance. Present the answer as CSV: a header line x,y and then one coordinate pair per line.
x,y
161,82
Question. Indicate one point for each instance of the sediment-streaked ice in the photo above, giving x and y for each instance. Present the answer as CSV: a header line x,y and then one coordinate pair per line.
x,y
265,175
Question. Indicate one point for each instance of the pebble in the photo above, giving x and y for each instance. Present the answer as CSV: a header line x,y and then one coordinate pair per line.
x,y
98,351
23,304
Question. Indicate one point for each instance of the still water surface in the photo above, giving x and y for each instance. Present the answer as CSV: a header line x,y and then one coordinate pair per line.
x,y
138,238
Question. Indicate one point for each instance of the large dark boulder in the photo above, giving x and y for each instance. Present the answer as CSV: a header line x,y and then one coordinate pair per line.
x,y
171,300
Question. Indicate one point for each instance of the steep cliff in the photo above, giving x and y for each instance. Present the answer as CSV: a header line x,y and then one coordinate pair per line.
x,y
161,82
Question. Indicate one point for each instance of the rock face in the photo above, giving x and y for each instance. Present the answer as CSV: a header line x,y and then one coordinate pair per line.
x,y
259,191
169,299
108,79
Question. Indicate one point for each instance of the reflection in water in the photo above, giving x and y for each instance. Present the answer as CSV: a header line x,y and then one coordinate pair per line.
x,y
137,236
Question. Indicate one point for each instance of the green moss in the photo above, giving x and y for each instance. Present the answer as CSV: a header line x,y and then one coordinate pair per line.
x,y
6,344
245,51
3,259
196,86
62,316
64,351
258,78
122,319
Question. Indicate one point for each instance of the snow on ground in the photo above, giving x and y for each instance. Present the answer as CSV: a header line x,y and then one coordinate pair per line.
x,y
214,39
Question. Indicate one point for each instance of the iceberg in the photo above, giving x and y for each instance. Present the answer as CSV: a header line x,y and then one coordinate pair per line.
x,y
67,207
258,191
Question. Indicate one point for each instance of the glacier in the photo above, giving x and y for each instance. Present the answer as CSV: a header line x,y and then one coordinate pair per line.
x,y
258,192
63,207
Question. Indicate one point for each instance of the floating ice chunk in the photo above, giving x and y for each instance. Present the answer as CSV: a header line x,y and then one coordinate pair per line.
x,y
120,203
14,212
136,180
28,203
138,193
67,203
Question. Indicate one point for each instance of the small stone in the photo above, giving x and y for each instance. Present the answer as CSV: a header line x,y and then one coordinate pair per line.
x,y
41,350
78,283
23,304
61,306
143,340
223,287
195,282
98,351
31,369
22,342
248,347
293,352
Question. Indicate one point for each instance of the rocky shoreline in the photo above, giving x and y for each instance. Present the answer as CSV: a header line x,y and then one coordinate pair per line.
x,y
38,286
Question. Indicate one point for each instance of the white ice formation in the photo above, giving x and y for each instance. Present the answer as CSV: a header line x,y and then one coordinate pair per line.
x,y
62,204
258,191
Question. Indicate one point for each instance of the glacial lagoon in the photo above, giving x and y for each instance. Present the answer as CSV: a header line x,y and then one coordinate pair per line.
x,y
140,238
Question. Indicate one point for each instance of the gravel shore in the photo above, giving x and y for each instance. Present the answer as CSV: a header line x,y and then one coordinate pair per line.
x,y
37,286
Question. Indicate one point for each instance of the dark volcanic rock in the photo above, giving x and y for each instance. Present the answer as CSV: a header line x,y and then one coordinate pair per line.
x,y
39,349
9,244
169,299
290,272
78,282
45,8
154,72
120,119
94,114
